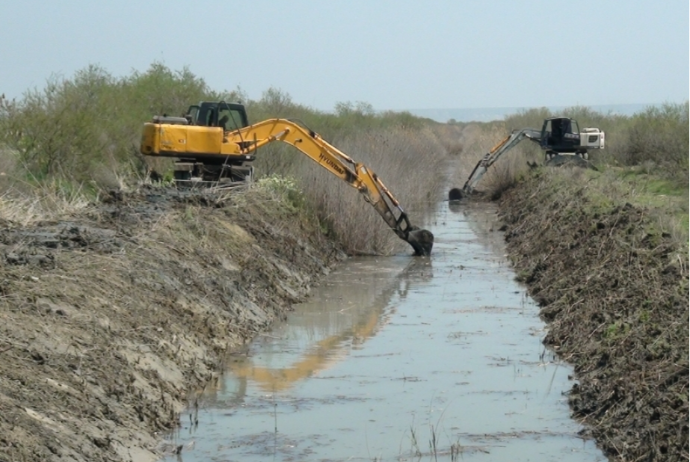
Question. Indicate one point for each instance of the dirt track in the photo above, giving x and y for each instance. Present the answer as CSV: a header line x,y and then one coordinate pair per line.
x,y
614,291
110,317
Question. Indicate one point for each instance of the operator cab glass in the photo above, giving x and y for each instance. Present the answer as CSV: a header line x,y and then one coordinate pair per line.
x,y
560,134
210,114
205,116
231,119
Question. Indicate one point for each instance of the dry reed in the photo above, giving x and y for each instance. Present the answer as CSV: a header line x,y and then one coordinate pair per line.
x,y
410,163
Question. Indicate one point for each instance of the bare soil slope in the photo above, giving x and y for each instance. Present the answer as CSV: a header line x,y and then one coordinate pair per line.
x,y
109,317
614,292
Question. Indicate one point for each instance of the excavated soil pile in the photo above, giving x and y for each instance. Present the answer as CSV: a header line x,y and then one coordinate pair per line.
x,y
110,317
614,292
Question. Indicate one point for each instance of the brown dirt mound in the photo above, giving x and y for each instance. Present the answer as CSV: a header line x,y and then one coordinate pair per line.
x,y
614,292
111,317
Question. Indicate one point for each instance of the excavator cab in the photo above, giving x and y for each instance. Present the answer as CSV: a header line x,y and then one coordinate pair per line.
x,y
197,134
229,116
560,134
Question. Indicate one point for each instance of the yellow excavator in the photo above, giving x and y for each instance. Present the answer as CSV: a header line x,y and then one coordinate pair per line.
x,y
213,143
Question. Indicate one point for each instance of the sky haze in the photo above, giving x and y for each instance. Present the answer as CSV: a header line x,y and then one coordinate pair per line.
x,y
395,55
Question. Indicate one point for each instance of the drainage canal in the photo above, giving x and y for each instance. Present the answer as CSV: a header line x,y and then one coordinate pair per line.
x,y
399,358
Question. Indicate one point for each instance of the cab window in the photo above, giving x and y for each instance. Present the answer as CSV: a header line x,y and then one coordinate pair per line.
x,y
230,119
205,116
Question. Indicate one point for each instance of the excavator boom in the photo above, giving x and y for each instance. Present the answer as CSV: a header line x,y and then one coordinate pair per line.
x,y
496,152
183,141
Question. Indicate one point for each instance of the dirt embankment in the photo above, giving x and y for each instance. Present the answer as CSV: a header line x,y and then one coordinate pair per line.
x,y
614,292
111,316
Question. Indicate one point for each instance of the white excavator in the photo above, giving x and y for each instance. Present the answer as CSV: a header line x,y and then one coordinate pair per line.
x,y
559,136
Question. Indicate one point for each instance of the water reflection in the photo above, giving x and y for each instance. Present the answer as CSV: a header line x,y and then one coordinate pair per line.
x,y
456,206
392,353
340,317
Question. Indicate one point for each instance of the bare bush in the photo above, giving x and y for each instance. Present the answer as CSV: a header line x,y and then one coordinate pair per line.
x,y
659,135
8,168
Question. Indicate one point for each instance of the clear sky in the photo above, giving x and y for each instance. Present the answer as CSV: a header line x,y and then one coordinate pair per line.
x,y
393,54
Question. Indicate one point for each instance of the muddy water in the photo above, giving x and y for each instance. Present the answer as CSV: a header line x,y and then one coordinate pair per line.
x,y
399,359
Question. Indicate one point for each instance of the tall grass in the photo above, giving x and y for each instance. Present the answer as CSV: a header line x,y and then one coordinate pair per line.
x,y
410,162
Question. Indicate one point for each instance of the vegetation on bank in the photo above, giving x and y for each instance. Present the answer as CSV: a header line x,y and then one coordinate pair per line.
x,y
612,282
79,137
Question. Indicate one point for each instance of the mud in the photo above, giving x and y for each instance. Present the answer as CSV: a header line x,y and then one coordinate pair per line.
x,y
111,316
614,292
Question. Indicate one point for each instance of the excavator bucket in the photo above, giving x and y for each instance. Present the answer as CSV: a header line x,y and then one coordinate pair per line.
x,y
421,241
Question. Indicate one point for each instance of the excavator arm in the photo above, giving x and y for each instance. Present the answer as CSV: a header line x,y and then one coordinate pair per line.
x,y
496,152
247,140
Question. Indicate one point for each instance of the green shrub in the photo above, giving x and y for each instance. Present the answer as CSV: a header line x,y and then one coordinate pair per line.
x,y
658,135
87,129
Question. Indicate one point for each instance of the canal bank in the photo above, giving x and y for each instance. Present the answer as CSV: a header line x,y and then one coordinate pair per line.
x,y
114,313
611,281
